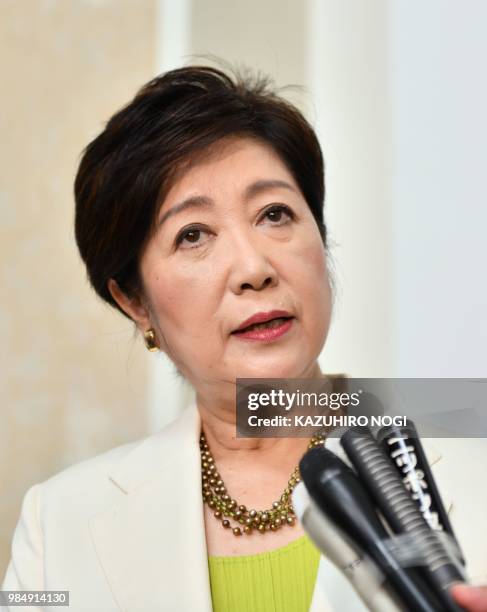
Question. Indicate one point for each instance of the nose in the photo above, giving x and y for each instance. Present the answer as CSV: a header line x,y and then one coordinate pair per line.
x,y
250,268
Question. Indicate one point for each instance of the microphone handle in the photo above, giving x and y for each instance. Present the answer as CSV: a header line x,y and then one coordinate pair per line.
x,y
395,503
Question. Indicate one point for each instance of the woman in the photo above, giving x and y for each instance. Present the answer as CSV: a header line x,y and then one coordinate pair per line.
x,y
199,216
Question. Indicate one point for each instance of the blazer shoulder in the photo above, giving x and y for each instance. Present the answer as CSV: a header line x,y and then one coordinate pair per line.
x,y
84,487
94,483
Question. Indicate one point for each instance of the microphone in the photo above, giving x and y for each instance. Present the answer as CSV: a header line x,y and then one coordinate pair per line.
x,y
403,447
359,570
337,491
395,503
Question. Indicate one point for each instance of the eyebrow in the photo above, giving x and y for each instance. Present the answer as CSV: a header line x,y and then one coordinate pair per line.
x,y
251,191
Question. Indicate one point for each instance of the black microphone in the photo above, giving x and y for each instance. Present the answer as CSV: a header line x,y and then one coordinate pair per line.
x,y
362,573
403,446
338,493
394,501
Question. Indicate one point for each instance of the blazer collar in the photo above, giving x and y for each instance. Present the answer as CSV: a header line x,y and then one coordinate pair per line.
x,y
155,454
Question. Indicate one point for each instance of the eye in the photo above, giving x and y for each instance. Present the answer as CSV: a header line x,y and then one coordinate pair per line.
x,y
190,237
279,214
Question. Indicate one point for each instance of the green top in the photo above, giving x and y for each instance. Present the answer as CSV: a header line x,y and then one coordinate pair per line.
x,y
281,580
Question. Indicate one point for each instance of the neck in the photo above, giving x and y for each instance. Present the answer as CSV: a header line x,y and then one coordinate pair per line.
x,y
218,422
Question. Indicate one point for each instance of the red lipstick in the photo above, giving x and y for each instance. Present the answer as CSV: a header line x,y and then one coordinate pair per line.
x,y
280,321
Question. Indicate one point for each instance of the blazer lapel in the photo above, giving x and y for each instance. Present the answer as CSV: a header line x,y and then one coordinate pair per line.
x,y
152,543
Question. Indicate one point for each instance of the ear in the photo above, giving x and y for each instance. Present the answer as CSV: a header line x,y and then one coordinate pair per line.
x,y
133,307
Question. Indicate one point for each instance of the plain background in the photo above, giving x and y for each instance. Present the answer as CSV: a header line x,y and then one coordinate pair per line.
x,y
397,93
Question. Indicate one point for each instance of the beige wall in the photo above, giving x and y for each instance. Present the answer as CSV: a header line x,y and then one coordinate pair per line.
x,y
268,35
73,380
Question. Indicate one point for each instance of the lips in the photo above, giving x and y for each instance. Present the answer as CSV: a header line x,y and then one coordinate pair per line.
x,y
262,317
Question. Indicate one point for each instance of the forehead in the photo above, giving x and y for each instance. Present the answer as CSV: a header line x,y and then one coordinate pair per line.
x,y
230,163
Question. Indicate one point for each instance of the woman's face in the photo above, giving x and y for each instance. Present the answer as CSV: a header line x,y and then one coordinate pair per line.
x,y
235,237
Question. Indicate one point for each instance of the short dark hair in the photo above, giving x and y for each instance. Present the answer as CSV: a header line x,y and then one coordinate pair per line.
x,y
126,171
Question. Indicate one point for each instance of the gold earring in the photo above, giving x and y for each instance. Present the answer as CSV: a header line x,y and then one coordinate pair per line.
x,y
150,340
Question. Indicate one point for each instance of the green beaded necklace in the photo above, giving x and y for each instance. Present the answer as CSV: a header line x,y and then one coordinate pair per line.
x,y
216,496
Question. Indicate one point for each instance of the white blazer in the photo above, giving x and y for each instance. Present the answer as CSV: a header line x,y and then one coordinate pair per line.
x,y
125,530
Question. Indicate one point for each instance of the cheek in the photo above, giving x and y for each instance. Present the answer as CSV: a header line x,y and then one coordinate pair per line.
x,y
312,288
178,305
180,300
310,268
317,258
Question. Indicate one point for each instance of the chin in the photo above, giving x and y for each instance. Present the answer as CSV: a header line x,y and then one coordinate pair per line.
x,y
282,369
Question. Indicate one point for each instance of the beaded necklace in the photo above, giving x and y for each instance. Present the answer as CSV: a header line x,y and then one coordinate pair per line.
x,y
246,521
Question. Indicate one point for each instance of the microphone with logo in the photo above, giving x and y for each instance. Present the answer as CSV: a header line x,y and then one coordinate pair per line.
x,y
433,560
403,446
